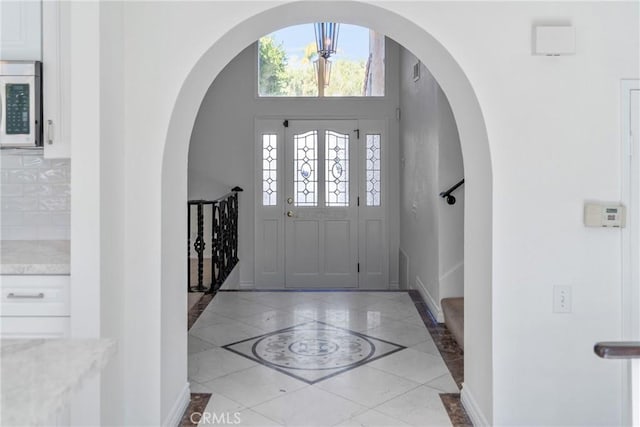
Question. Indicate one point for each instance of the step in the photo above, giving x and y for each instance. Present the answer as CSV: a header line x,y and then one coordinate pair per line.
x,y
453,310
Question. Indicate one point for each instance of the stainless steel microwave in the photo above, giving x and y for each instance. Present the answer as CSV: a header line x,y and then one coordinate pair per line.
x,y
20,103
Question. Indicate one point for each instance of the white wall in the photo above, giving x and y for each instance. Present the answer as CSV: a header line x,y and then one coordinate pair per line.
x,y
450,217
221,153
113,295
419,178
553,125
553,129
432,231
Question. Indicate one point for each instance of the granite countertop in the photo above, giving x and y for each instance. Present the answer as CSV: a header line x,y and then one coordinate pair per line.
x,y
34,256
39,376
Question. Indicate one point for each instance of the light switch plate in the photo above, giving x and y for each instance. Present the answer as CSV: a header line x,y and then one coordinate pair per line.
x,y
562,299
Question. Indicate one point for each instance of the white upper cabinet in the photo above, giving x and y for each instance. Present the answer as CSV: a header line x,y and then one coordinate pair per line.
x,y
39,31
56,86
20,30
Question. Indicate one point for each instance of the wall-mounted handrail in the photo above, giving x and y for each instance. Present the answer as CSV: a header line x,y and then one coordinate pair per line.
x,y
224,239
618,349
447,194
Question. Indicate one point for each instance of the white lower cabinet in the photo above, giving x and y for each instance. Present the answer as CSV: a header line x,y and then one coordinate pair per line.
x,y
34,307
34,327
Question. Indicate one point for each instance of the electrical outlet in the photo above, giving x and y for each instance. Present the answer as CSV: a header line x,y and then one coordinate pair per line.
x,y
562,299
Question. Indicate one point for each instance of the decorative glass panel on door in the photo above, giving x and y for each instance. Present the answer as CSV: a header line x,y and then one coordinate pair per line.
x,y
305,164
372,169
336,168
269,170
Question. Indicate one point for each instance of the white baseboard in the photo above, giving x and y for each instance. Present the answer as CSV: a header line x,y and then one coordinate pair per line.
x,y
471,406
247,285
175,415
403,269
452,282
434,307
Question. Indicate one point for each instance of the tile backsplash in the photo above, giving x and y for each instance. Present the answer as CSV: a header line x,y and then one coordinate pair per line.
x,y
35,195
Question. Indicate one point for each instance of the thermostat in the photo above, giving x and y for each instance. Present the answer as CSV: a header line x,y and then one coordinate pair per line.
x,y
600,215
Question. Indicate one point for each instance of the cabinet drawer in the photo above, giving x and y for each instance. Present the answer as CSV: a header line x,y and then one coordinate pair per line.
x,y
34,327
34,296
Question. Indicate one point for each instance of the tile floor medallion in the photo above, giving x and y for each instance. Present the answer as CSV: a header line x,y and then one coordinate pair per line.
x,y
313,351
344,358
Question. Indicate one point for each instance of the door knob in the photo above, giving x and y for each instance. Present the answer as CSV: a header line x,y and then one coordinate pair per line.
x,y
289,200
290,214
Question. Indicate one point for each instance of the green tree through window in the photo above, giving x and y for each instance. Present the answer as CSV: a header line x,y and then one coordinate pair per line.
x,y
273,68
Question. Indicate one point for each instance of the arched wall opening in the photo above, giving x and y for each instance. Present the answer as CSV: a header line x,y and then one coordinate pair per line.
x,y
477,170
421,158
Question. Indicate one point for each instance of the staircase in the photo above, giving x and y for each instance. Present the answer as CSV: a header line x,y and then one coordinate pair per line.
x,y
222,246
453,310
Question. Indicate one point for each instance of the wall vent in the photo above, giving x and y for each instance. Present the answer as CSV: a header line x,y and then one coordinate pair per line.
x,y
416,71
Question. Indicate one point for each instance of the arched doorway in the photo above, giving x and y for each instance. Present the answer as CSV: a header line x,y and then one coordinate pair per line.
x,y
475,149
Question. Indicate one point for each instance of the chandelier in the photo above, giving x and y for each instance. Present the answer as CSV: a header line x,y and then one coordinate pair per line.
x,y
326,38
326,44
327,70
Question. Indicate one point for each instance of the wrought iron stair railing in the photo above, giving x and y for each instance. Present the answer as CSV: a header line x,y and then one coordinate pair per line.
x,y
223,242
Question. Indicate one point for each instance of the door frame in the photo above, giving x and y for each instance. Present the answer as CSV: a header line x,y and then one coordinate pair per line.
x,y
275,125
630,246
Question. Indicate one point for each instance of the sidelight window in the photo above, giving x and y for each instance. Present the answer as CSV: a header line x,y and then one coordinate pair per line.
x,y
372,169
269,170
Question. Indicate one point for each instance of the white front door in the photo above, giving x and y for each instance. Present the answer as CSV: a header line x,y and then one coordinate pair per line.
x,y
321,204
321,192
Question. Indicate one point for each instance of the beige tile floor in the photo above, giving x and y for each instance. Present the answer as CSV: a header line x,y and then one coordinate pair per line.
x,y
396,390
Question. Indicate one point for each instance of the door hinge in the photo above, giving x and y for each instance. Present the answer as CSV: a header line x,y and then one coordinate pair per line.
x,y
357,131
358,200
358,267
285,123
